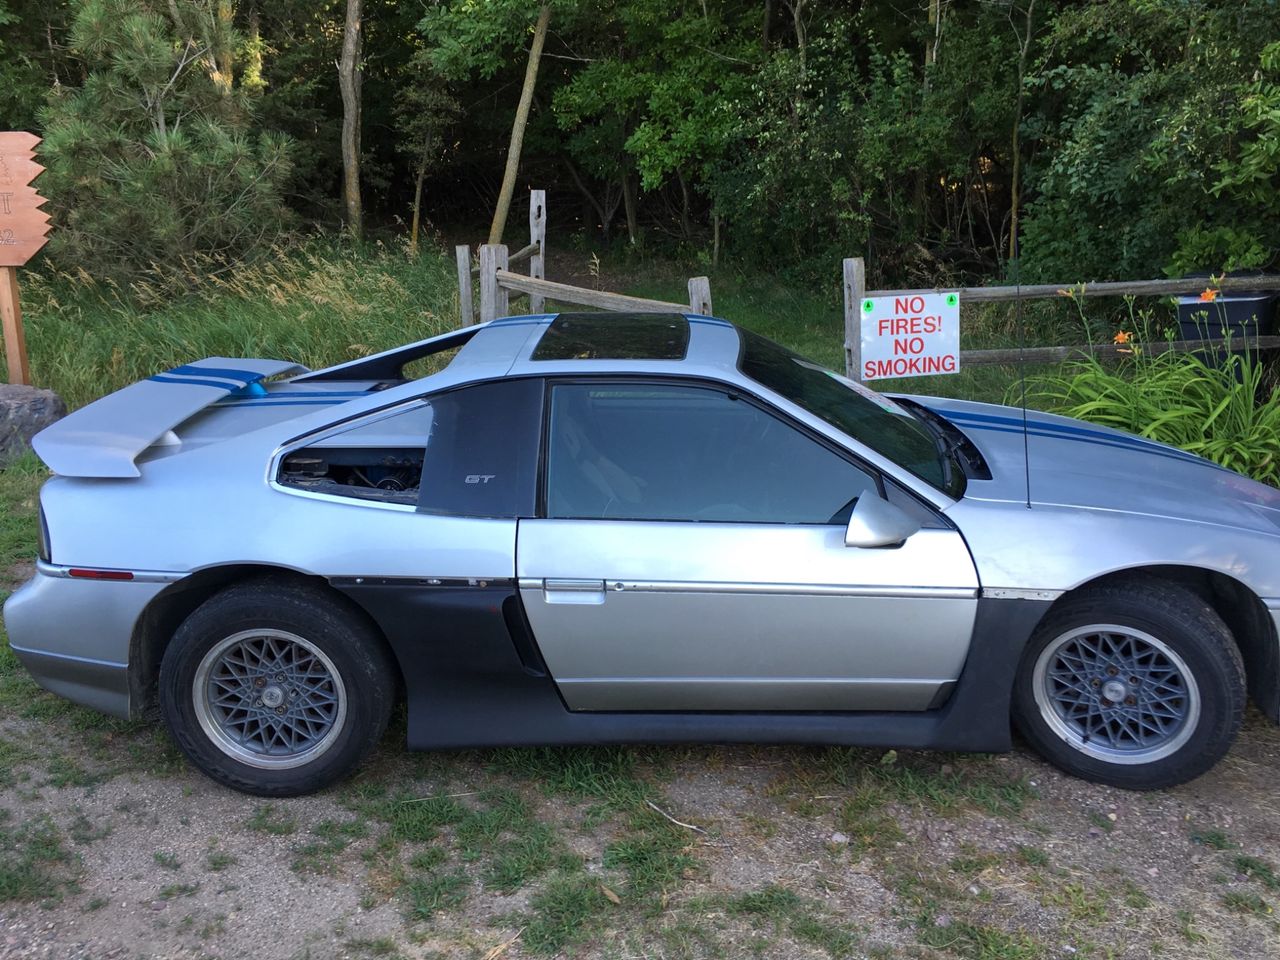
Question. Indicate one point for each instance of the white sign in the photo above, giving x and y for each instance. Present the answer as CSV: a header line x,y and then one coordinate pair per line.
x,y
913,335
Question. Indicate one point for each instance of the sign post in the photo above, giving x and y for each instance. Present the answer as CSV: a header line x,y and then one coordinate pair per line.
x,y
910,335
23,226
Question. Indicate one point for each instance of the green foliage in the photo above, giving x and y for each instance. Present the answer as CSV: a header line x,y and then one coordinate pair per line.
x,y
1144,157
152,159
1218,410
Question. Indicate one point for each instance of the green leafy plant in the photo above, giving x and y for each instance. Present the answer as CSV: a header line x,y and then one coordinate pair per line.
x,y
1216,408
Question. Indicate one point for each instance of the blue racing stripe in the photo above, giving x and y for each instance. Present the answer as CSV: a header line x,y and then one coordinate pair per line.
x,y
1152,450
1049,425
294,394
238,404
193,381
225,373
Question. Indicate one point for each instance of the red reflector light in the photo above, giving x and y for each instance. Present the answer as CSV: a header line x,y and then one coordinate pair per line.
x,y
100,574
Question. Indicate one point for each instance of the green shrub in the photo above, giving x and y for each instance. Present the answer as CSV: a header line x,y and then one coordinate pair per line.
x,y
1215,408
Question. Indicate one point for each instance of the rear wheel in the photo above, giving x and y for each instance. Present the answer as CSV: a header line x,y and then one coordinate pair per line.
x,y
1138,686
276,689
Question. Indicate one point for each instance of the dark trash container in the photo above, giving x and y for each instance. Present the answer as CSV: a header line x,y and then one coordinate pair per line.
x,y
1235,313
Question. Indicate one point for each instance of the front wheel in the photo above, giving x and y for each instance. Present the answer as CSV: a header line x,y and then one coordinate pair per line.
x,y
1138,686
276,689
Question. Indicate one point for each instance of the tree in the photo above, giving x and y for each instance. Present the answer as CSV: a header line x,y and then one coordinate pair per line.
x,y
151,160
349,82
503,206
424,109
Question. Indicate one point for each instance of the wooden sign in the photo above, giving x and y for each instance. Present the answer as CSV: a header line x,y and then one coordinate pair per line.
x,y
23,231
23,225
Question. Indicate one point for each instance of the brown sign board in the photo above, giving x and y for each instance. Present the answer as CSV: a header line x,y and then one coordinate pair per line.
x,y
23,226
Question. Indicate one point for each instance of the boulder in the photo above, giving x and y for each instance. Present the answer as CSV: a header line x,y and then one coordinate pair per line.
x,y
24,412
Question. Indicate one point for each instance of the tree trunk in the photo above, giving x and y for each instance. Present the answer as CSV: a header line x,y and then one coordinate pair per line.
x,y
417,205
764,28
251,80
517,128
686,229
349,83
1015,186
935,21
629,204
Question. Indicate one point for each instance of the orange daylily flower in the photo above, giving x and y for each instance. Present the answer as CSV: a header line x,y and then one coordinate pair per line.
x,y
1209,295
1122,337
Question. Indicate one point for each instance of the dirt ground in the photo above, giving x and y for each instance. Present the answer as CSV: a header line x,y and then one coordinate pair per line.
x,y
111,847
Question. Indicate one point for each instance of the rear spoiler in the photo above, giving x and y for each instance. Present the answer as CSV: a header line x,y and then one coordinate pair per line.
x,y
104,438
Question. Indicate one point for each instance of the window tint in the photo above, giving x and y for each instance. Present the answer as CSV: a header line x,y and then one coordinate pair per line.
x,y
620,336
468,452
889,429
665,452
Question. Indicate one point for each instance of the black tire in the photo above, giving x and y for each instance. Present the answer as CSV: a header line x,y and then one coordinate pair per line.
x,y
1077,736
340,663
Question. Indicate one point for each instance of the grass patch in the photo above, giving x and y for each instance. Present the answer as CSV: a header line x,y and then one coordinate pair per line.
x,y
1259,870
168,861
380,947
269,819
34,860
567,910
410,819
433,890
974,941
13,755
318,305
1246,902
1033,856
786,911
605,774
1215,839
215,861
175,891
330,839
655,855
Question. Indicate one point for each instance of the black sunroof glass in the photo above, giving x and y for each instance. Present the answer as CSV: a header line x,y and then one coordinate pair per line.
x,y
620,336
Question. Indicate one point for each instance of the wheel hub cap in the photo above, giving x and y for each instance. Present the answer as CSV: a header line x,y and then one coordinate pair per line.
x,y
273,696
1116,693
269,698
1113,690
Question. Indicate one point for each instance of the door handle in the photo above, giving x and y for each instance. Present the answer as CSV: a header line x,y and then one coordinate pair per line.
x,y
573,591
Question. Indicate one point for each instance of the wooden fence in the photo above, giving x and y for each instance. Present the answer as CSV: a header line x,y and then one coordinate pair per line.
x,y
499,285
855,282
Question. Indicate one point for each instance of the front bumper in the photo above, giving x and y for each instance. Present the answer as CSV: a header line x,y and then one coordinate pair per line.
x,y
73,635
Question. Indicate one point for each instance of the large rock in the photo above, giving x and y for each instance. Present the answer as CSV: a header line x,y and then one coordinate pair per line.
x,y
24,412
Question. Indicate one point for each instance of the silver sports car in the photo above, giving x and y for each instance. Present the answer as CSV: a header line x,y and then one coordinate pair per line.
x,y
638,528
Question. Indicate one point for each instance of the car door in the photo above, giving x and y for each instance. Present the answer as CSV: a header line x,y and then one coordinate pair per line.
x,y
690,555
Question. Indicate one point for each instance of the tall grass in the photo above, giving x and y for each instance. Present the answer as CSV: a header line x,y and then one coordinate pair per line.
x,y
320,304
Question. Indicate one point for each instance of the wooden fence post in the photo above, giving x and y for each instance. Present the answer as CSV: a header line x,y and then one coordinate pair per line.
x,y
466,306
537,235
15,343
855,285
700,296
493,298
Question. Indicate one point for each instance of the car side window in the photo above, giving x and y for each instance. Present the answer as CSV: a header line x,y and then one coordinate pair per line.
x,y
466,452
670,452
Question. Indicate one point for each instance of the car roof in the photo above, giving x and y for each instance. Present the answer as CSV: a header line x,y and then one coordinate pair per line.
x,y
605,342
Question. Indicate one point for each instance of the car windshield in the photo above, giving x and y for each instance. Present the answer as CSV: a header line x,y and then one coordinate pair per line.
x,y
884,426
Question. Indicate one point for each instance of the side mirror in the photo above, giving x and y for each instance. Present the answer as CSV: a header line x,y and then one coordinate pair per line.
x,y
877,523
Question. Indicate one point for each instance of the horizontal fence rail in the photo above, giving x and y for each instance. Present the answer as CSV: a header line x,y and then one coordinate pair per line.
x,y
855,291
1055,354
1120,288
602,299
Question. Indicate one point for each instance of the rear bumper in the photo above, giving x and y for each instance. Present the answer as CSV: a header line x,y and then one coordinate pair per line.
x,y
73,635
